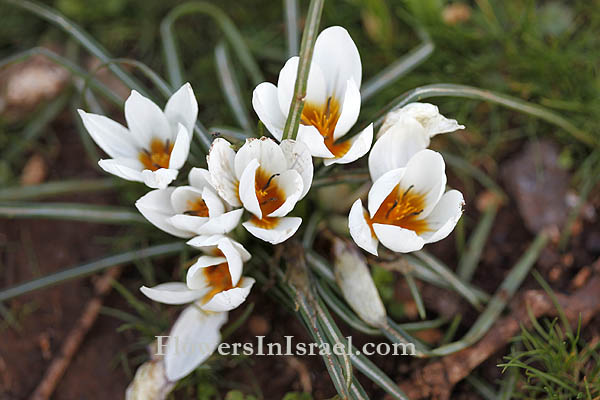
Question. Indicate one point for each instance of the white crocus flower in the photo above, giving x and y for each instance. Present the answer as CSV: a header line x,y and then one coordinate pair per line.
x,y
267,179
407,207
214,282
193,339
187,211
405,132
156,144
332,102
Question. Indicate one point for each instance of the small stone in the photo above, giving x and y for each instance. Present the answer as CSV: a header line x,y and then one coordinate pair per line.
x,y
258,325
35,171
456,13
581,277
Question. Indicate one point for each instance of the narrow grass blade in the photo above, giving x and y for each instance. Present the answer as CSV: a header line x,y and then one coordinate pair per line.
x,y
49,189
89,268
371,371
343,311
590,178
484,388
36,126
469,92
231,88
73,68
497,303
75,31
453,280
416,295
71,212
460,164
234,37
165,89
231,328
470,259
291,26
396,70
309,37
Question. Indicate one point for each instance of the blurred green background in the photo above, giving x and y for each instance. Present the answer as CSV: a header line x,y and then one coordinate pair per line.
x,y
546,52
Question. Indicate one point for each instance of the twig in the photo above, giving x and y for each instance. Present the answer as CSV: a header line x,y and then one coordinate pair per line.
x,y
437,379
61,362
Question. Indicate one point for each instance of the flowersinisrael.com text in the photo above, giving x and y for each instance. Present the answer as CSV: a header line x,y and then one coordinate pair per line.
x,y
289,348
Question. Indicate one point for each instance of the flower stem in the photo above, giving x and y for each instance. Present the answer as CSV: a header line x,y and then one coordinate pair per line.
x,y
309,36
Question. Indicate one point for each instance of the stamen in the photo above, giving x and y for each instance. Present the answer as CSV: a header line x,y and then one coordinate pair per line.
x,y
328,108
270,199
390,210
167,146
407,190
269,181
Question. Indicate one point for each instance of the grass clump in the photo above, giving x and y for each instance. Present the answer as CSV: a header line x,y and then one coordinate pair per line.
x,y
553,362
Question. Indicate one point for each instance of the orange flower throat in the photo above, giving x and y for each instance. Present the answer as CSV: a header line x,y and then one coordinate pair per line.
x,y
324,118
219,279
158,156
401,208
270,198
197,208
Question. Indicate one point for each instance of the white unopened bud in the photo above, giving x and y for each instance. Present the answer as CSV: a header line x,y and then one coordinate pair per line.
x,y
354,279
150,382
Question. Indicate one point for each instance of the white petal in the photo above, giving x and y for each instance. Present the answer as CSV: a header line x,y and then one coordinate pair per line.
x,y
444,216
266,151
160,178
126,168
182,108
426,173
195,278
393,150
207,244
222,224
281,232
171,293
338,57
213,202
350,110
221,166
266,106
156,207
242,250
314,141
229,299
191,224
234,259
382,188
359,146
360,230
197,336
428,116
112,137
199,178
316,89
398,239
299,159
181,148
247,189
146,120
290,182
182,197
